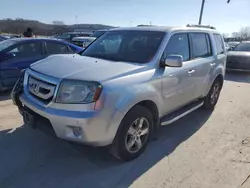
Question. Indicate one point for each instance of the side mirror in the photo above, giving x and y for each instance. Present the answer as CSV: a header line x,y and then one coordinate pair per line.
x,y
173,61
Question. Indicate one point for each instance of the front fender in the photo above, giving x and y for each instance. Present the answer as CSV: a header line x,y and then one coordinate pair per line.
x,y
137,94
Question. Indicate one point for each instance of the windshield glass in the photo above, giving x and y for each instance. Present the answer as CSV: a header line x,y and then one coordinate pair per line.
x,y
126,46
6,43
243,47
98,34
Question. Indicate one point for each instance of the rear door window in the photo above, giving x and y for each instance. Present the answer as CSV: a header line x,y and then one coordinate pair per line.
x,y
56,48
219,44
201,45
178,44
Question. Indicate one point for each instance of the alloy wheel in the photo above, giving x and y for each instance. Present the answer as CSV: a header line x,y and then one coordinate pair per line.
x,y
215,94
137,135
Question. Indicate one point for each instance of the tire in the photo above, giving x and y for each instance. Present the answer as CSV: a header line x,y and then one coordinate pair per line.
x,y
213,96
126,144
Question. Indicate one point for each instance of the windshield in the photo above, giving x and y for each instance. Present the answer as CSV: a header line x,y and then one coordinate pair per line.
x,y
126,46
98,34
6,43
243,47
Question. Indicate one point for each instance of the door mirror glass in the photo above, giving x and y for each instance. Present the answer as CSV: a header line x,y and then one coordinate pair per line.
x,y
174,61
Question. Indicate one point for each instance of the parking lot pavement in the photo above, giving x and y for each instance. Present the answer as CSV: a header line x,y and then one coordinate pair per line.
x,y
201,150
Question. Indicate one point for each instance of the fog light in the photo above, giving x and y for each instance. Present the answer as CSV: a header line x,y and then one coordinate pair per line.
x,y
77,131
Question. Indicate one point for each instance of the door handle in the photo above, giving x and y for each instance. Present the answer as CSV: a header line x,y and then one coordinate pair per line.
x,y
212,64
191,71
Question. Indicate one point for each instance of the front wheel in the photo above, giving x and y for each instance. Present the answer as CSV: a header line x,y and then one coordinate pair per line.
x,y
213,96
133,134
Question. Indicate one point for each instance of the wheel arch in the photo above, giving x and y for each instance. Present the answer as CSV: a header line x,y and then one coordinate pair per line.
x,y
152,107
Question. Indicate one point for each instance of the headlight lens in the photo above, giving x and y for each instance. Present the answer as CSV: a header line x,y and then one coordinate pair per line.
x,y
75,91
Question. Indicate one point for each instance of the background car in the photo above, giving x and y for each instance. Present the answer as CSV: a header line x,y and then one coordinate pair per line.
x,y
3,38
69,36
239,57
99,33
232,44
83,41
18,54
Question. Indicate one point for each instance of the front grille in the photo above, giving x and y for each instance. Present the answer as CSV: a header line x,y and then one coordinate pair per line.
x,y
41,90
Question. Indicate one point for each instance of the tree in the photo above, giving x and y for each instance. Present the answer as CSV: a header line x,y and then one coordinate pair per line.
x,y
244,33
225,35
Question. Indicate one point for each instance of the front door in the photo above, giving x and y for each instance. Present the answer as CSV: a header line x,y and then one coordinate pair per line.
x,y
19,57
177,85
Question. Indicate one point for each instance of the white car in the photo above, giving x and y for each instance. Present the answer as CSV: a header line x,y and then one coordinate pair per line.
x,y
83,41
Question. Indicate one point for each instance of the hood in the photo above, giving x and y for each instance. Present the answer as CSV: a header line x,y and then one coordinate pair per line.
x,y
238,54
85,68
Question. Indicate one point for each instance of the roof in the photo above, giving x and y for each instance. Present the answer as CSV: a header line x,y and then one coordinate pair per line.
x,y
42,39
163,29
143,28
34,39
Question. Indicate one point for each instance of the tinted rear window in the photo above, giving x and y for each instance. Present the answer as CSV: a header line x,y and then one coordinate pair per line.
x,y
245,47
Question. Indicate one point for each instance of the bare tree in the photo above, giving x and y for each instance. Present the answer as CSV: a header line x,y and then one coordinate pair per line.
x,y
225,35
244,33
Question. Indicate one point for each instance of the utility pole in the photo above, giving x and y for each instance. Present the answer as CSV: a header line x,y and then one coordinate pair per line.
x,y
202,7
201,12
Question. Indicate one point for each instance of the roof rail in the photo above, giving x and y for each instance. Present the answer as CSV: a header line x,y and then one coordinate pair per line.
x,y
202,26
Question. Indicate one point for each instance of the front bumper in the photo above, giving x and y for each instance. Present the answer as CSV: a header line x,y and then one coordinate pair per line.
x,y
97,128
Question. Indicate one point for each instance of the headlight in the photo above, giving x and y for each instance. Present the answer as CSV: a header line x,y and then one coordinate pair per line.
x,y
76,91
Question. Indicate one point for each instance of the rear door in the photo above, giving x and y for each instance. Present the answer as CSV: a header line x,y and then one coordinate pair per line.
x,y
203,62
20,56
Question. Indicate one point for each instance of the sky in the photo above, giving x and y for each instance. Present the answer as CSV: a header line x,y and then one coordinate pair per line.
x,y
227,18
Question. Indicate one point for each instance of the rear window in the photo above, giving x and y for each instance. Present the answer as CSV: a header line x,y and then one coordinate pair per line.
x,y
219,44
245,47
201,45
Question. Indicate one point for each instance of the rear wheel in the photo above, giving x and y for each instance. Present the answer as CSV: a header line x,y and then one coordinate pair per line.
x,y
133,134
213,96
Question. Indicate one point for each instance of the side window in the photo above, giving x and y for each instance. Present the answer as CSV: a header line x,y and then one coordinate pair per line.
x,y
25,50
56,48
201,45
71,51
178,44
219,44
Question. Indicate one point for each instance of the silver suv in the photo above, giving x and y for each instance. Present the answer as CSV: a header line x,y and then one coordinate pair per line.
x,y
124,86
